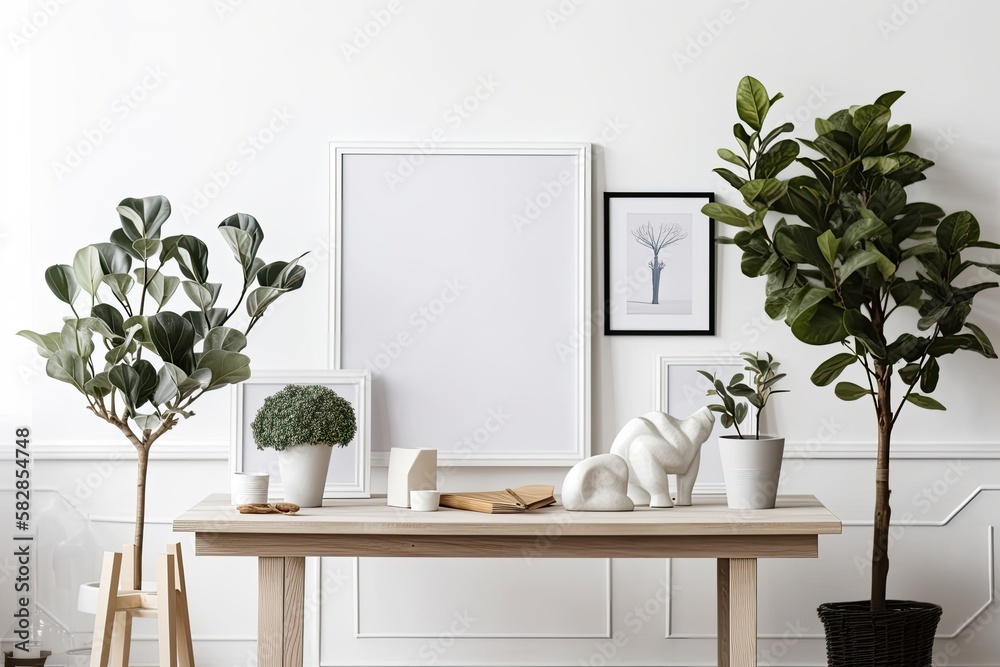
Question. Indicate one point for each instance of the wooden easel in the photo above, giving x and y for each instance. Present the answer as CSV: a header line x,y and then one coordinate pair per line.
x,y
117,607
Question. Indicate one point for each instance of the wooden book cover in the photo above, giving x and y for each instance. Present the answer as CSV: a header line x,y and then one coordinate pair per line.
x,y
508,501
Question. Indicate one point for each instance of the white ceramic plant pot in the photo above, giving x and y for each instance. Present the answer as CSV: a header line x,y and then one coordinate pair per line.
x,y
752,469
303,473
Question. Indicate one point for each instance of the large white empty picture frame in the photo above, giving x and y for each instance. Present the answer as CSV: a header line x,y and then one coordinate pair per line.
x,y
462,283
349,474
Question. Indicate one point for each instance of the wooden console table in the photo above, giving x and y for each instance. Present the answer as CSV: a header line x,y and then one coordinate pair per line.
x,y
708,529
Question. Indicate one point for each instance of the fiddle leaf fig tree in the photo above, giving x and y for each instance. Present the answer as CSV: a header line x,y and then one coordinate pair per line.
x,y
141,367
853,252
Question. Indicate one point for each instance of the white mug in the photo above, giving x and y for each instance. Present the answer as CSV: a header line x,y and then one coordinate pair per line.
x,y
425,501
249,488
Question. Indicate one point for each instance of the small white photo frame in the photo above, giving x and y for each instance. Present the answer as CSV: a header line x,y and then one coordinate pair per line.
x,y
681,390
350,467
461,281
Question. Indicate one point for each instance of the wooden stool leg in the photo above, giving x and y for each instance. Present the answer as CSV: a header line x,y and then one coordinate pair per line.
x,y
107,602
166,612
121,642
185,649
121,639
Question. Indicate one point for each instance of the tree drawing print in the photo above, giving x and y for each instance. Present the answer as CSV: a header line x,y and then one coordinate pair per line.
x,y
656,241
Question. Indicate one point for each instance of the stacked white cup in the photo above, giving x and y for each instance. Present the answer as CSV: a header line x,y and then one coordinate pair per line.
x,y
249,488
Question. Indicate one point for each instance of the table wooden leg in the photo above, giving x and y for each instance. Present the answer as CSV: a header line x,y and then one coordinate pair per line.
x,y
280,612
737,612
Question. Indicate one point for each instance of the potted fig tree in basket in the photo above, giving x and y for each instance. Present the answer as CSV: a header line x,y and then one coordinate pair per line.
x,y
751,463
139,366
858,265
303,423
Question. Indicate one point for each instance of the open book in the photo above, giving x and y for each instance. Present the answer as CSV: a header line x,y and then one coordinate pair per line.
x,y
508,501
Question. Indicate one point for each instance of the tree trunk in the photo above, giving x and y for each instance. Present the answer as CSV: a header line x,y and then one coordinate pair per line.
x,y
140,512
880,542
656,279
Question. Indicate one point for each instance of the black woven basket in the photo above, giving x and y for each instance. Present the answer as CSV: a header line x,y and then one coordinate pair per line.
x,y
900,636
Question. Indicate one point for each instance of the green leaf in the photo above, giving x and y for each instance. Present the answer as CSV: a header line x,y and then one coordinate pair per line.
x,y
146,248
95,325
871,122
804,300
848,391
159,286
732,157
799,244
886,99
986,347
823,324
113,258
99,386
126,380
200,379
142,218
728,215
910,373
47,344
191,255
731,178
121,239
147,380
146,422
203,322
261,298
87,269
752,103
761,193
60,280
925,402
227,367
776,132
168,380
919,249
244,237
828,245
897,138
857,260
77,339
173,338
224,338
120,284
202,296
830,370
929,376
286,276
957,231
864,330
867,228
67,366
774,161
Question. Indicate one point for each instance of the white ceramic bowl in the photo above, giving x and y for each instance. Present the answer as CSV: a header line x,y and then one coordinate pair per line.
x,y
425,501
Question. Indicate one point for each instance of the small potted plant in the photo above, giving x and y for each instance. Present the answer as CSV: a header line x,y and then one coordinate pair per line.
x,y
303,423
751,463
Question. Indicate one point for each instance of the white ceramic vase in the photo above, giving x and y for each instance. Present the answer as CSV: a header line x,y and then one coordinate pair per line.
x,y
410,470
752,468
303,473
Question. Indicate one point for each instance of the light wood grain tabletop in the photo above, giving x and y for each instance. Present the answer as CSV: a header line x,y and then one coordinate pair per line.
x,y
708,515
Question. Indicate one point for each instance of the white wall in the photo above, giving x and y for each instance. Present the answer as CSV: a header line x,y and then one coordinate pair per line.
x,y
204,76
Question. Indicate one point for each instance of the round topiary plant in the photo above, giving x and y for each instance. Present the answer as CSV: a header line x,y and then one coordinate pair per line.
x,y
304,415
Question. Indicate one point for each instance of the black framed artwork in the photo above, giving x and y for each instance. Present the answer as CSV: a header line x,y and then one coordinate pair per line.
x,y
659,264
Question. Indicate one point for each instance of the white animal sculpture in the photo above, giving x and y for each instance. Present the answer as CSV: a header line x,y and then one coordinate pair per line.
x,y
656,445
597,484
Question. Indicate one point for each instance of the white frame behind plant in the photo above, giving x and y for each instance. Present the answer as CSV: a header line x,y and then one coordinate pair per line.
x,y
361,379
701,362
578,332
